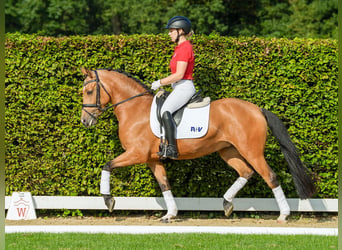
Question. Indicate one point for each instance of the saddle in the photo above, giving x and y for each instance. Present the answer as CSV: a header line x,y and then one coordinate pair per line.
x,y
192,120
177,116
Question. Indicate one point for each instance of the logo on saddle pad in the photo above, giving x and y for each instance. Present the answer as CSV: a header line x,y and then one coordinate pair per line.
x,y
192,121
196,129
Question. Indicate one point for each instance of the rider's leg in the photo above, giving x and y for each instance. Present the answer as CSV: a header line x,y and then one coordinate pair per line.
x,y
180,95
170,135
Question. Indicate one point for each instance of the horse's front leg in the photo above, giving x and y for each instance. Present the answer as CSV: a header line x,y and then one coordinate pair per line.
x,y
126,159
159,172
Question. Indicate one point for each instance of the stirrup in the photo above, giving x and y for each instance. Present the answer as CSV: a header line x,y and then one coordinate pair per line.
x,y
170,152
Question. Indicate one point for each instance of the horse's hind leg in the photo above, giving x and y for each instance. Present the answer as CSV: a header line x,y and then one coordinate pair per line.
x,y
233,158
261,167
160,174
252,150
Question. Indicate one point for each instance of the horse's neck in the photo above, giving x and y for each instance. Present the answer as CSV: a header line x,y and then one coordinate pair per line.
x,y
123,87
134,114
137,109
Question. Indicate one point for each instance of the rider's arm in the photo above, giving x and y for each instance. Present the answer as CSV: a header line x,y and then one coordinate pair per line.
x,y
181,68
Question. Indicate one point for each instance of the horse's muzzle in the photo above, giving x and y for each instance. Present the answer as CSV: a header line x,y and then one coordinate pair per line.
x,y
88,120
88,123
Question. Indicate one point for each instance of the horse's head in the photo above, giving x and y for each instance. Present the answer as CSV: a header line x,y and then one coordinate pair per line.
x,y
95,97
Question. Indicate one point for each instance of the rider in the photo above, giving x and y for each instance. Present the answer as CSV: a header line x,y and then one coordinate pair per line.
x,y
181,80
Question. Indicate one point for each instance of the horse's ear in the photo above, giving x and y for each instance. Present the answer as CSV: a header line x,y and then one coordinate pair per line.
x,y
86,72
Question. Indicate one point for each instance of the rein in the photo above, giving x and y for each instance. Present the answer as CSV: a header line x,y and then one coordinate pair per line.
x,y
98,102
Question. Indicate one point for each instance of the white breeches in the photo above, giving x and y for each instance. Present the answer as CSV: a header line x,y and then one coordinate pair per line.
x,y
183,90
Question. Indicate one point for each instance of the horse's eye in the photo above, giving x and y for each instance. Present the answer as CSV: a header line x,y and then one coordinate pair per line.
x,y
89,92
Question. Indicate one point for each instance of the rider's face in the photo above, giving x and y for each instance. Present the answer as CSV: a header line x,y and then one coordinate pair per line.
x,y
173,34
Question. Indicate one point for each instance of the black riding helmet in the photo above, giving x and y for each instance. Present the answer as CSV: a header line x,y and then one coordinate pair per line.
x,y
179,22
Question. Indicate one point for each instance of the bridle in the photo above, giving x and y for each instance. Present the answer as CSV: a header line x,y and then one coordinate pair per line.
x,y
97,105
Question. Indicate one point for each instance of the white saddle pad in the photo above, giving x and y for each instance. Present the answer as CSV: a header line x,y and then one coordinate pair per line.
x,y
194,123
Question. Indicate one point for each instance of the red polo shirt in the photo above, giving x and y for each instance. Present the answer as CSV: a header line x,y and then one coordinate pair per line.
x,y
184,53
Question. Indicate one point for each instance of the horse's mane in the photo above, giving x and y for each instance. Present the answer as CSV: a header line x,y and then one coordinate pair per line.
x,y
128,75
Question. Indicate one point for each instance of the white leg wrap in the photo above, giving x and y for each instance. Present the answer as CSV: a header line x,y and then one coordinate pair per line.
x,y
235,188
170,203
281,200
105,186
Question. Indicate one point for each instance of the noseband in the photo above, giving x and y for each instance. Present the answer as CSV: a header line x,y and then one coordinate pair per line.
x,y
97,105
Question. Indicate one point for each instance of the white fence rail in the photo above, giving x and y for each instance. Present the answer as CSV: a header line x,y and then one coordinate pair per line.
x,y
184,204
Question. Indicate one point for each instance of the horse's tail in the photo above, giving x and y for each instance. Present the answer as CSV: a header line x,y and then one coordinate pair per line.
x,y
301,175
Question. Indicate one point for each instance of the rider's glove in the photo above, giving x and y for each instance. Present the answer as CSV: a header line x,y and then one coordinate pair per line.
x,y
156,85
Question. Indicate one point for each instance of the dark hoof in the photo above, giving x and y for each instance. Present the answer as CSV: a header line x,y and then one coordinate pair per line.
x,y
227,207
164,220
110,202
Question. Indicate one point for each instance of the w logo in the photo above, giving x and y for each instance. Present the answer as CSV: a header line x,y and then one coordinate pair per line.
x,y
22,211
22,207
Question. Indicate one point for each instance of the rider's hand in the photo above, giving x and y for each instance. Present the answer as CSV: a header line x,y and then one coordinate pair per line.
x,y
156,85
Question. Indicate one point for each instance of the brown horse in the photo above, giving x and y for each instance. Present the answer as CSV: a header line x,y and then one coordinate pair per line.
x,y
237,130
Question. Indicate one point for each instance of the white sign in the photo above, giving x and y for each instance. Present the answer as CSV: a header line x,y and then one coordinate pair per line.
x,y
21,207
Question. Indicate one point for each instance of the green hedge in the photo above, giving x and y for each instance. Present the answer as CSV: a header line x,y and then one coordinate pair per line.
x,y
49,152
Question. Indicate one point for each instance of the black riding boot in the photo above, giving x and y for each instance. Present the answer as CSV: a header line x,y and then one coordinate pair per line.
x,y
170,151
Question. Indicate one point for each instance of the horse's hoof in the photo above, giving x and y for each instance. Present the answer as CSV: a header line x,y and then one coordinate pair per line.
x,y
167,218
110,202
282,219
227,207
